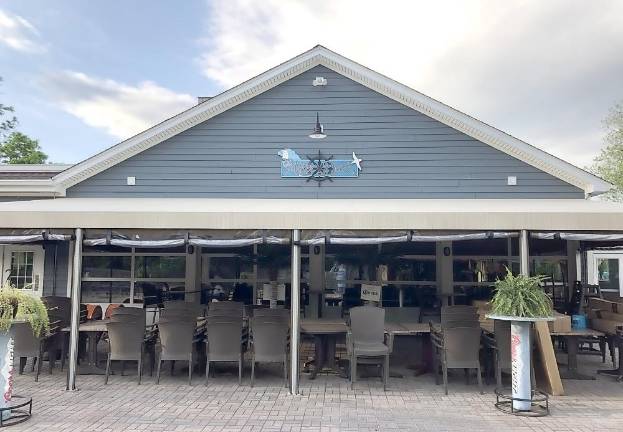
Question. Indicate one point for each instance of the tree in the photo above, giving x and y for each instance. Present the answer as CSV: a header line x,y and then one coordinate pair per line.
x,y
19,149
609,164
6,124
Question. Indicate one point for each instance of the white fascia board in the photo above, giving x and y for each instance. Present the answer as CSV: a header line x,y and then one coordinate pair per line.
x,y
592,185
33,167
30,188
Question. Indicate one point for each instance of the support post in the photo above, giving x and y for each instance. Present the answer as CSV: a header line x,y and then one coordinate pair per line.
x,y
524,253
75,311
295,310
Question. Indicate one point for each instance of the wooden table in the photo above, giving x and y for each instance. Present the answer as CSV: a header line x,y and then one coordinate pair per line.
x,y
92,329
325,332
572,338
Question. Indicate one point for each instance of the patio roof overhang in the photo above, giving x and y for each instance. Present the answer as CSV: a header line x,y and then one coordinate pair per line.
x,y
348,214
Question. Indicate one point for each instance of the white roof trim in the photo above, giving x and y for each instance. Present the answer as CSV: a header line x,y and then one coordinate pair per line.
x,y
30,188
319,55
33,167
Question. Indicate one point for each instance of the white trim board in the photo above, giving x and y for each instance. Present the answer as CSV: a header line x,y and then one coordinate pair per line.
x,y
319,55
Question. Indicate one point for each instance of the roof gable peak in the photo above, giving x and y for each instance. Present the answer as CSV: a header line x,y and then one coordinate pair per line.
x,y
320,55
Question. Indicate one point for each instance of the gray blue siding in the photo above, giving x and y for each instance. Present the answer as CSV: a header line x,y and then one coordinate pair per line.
x,y
405,153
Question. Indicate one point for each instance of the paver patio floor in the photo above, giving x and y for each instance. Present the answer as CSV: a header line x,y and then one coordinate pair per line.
x,y
326,404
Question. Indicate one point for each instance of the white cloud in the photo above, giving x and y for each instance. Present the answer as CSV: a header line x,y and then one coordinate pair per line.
x,y
546,72
122,110
19,34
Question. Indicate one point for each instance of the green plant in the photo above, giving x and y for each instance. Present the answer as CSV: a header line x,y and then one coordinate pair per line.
x,y
520,296
29,308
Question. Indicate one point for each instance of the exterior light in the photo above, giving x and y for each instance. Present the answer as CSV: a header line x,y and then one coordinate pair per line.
x,y
318,132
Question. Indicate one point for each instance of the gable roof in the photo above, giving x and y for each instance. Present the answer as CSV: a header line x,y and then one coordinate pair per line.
x,y
319,55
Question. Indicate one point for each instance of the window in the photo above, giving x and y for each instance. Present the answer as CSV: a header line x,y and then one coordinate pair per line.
x,y
119,275
21,275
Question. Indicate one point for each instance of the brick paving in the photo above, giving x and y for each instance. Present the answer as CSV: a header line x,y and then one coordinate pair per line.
x,y
326,404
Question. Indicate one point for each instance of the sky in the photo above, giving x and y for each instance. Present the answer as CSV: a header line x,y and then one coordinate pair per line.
x,y
84,75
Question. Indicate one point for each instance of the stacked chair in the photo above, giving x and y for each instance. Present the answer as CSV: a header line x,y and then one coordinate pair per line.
x,y
178,332
456,342
269,339
499,343
129,339
225,339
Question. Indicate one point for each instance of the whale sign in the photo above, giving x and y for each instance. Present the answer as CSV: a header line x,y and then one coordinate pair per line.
x,y
317,167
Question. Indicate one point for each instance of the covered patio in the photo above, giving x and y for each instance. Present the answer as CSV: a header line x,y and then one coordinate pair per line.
x,y
454,249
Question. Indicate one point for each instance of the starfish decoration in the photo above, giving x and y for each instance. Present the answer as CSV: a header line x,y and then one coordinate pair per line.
x,y
357,161
322,167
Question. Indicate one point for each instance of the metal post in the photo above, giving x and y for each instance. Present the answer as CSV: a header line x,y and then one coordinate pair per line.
x,y
295,309
75,311
524,253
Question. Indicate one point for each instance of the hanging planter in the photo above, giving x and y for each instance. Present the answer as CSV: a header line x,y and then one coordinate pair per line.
x,y
522,301
16,306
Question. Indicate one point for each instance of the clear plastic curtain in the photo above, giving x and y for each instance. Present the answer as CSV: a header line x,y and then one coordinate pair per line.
x,y
176,238
577,236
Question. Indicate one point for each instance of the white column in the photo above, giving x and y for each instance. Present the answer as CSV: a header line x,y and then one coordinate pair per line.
x,y
520,341
75,311
295,308
524,254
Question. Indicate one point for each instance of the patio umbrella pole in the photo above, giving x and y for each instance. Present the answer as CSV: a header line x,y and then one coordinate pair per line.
x,y
75,311
295,308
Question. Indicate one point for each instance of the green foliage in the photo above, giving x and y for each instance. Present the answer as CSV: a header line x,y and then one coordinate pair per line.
x,y
29,308
520,296
609,164
20,149
9,123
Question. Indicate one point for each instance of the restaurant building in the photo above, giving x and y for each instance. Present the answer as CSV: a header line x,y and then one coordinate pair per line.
x,y
296,187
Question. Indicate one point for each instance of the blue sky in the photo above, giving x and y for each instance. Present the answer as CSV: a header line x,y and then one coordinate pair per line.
x,y
83,75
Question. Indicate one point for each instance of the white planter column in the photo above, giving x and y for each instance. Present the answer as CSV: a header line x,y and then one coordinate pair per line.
x,y
295,308
75,311
6,370
520,341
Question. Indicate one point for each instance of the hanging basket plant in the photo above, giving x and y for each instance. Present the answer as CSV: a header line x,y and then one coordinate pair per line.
x,y
521,296
17,305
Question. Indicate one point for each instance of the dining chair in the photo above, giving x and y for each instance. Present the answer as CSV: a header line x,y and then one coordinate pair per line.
x,y
366,340
269,341
456,348
499,343
27,345
126,342
224,342
59,314
176,343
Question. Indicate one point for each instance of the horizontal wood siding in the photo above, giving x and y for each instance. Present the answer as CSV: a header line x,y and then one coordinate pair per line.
x,y
405,153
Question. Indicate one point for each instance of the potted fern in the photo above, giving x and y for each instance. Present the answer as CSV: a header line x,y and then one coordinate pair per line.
x,y
16,306
521,300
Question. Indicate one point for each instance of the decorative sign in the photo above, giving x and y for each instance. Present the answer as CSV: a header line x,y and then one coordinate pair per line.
x,y
318,167
371,292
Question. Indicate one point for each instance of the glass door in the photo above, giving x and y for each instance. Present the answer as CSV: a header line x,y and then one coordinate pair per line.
x,y
605,271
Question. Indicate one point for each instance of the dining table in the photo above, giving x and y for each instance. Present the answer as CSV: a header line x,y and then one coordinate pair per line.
x,y
93,329
325,332
572,339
